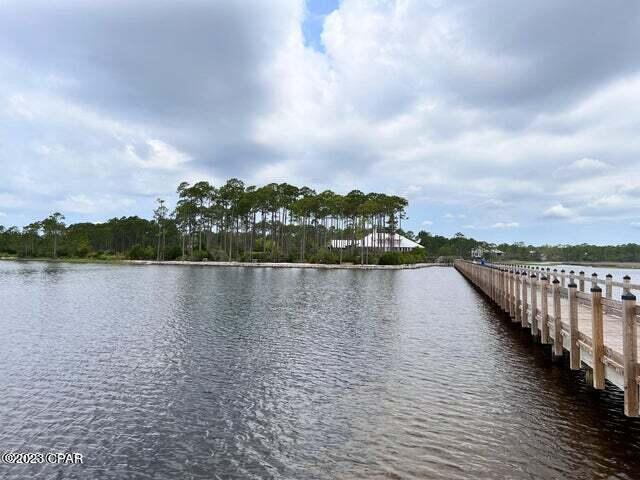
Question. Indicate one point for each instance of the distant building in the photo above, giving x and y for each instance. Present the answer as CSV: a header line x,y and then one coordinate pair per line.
x,y
379,241
483,252
338,244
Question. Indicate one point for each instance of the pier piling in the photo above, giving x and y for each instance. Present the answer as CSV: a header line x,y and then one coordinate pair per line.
x,y
574,350
600,333
597,334
525,304
630,354
544,312
534,305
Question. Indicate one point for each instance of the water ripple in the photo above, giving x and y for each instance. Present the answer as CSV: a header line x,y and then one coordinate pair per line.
x,y
199,373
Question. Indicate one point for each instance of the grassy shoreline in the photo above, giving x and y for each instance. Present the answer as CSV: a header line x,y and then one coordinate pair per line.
x,y
320,266
64,260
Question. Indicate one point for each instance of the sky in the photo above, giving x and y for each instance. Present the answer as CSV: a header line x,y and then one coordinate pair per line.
x,y
506,121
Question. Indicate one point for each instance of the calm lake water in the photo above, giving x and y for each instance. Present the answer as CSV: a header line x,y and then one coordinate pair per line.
x,y
191,372
617,275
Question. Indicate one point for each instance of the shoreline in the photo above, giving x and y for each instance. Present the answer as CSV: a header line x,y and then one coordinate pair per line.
x,y
584,264
318,266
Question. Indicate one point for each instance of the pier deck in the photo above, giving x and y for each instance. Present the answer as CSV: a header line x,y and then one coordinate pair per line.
x,y
588,319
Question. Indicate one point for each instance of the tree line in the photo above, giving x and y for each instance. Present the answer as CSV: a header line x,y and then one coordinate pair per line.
x,y
461,246
230,222
274,222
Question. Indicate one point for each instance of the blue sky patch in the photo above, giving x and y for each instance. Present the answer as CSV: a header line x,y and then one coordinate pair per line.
x,y
317,10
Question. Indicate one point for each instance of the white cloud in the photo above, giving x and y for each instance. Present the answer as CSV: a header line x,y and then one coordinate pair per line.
x,y
590,164
559,212
161,156
583,167
426,223
428,99
494,203
505,225
11,200
493,226
83,203
609,201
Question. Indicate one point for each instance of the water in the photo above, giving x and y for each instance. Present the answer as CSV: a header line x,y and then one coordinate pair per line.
x,y
191,372
617,275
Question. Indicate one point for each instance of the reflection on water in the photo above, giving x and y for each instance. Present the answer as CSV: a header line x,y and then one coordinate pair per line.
x,y
181,372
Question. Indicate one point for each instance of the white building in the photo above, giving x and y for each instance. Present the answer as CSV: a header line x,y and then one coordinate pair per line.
x,y
337,244
379,241
482,252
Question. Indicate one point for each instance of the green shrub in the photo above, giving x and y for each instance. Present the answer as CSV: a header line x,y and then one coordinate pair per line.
x,y
417,255
390,258
218,256
173,252
138,252
262,256
324,255
82,249
199,256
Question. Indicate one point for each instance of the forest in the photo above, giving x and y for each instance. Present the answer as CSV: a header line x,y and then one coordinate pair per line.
x,y
274,223
232,222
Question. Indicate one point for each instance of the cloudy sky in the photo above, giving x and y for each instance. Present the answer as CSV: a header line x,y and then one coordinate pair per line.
x,y
503,120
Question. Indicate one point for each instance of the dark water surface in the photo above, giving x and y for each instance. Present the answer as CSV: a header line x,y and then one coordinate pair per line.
x,y
191,372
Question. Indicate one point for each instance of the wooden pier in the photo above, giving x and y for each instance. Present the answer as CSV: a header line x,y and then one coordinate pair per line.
x,y
597,330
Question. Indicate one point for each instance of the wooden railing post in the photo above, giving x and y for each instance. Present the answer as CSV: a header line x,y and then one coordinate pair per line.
x,y
514,303
493,284
518,296
499,284
562,282
572,276
524,318
507,274
544,309
510,292
626,284
534,305
503,289
630,354
574,346
491,276
597,334
581,282
557,319
608,286
483,278
506,290
487,281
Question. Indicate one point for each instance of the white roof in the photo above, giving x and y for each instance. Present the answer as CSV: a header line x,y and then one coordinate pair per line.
x,y
388,240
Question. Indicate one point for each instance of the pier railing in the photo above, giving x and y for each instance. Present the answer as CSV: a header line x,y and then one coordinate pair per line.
x,y
597,330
